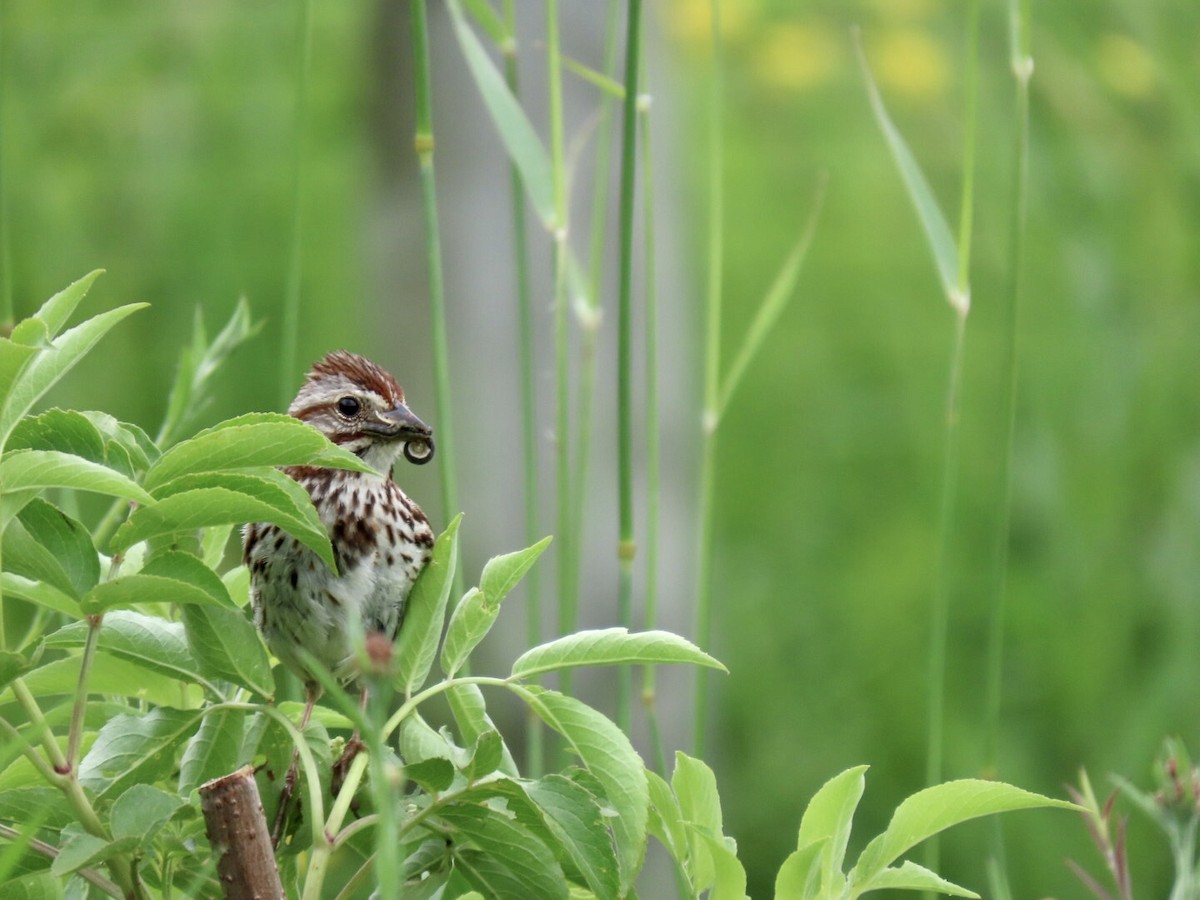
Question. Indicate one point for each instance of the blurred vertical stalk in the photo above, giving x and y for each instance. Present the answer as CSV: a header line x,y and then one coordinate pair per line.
x,y
424,145
6,302
649,697
1021,63
712,364
534,761
291,301
627,544
940,616
562,420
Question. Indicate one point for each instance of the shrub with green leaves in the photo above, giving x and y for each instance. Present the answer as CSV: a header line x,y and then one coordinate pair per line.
x,y
132,674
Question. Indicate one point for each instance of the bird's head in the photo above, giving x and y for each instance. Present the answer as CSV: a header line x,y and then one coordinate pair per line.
x,y
360,407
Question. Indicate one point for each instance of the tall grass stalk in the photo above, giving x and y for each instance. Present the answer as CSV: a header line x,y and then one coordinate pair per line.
x,y
424,144
961,304
534,760
290,321
650,304
6,301
1021,63
712,366
627,543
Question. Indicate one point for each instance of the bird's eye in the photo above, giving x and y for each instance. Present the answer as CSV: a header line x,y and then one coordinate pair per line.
x,y
348,407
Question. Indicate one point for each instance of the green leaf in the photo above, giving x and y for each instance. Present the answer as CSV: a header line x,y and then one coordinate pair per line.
x,y
666,819
486,755
610,647
170,577
141,812
829,817
251,441
146,641
47,367
520,140
14,356
230,498
12,665
935,809
417,644
573,817
135,749
434,774
605,751
41,469
695,788
729,877
772,306
227,646
109,675
912,877
933,222
799,878
55,312
212,751
80,851
196,366
130,440
503,573
522,865
59,429
45,544
38,592
471,717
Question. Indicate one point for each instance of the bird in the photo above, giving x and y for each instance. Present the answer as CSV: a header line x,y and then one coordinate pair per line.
x,y
381,539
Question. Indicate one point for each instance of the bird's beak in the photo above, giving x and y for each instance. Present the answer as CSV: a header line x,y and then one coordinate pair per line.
x,y
400,424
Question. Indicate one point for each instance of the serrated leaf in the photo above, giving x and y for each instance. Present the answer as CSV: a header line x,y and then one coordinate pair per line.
x,y
232,499
250,441
695,788
572,815
109,675
59,429
911,877
171,577
518,135
729,877
28,803
935,809
610,647
502,573
211,752
135,749
146,641
929,213
141,811
45,544
41,371
523,865
829,816
227,646
604,750
666,820
417,644
470,622
55,312
131,439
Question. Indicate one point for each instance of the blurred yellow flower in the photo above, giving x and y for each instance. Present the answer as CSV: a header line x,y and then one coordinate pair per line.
x,y
909,62
690,21
1124,65
795,57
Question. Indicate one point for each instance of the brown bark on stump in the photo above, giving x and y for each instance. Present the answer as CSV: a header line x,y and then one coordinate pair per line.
x,y
237,830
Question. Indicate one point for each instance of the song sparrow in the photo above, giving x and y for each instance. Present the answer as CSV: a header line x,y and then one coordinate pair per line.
x,y
381,539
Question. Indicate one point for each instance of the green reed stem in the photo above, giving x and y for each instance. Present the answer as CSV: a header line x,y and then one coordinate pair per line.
x,y
712,368
940,615
290,325
653,456
424,144
627,544
535,745
6,300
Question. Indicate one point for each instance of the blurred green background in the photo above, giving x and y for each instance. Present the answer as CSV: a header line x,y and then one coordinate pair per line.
x,y
162,144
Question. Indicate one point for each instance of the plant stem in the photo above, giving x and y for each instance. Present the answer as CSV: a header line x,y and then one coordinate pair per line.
x,y
534,760
6,301
291,302
627,544
424,145
712,368
649,699
75,734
